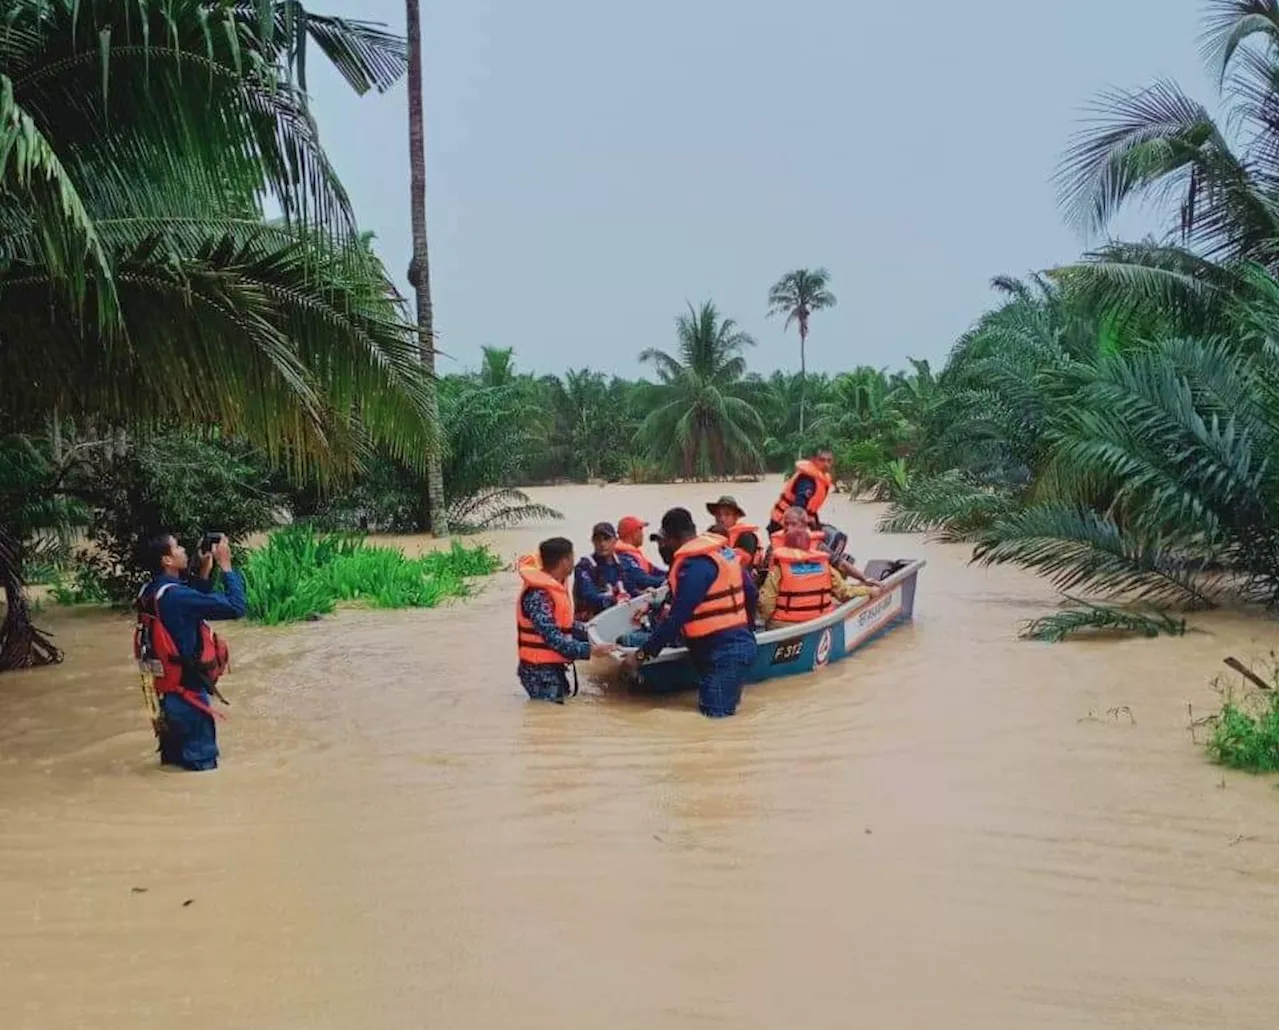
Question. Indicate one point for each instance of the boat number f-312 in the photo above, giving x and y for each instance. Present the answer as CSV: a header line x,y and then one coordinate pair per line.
x,y
787,651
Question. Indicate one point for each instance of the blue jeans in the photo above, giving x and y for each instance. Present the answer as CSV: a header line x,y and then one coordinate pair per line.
x,y
722,662
190,737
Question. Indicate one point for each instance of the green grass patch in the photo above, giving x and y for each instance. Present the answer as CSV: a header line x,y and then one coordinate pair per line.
x,y
300,574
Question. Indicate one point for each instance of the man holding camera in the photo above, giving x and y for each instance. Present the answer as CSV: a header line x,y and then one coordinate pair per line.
x,y
186,656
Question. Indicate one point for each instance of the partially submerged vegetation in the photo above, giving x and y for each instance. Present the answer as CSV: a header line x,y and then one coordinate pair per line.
x,y
300,574
1113,426
1243,733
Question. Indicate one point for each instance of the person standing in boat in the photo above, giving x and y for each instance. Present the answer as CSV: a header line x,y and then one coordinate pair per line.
x,y
807,488
548,639
638,572
597,578
802,583
714,605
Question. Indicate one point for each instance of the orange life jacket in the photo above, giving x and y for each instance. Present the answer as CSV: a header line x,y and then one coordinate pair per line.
x,y
779,539
804,584
157,655
736,532
530,645
725,604
637,553
787,499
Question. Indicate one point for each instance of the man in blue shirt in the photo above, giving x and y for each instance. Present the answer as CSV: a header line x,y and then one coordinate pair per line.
x,y
597,578
721,658
189,738
638,572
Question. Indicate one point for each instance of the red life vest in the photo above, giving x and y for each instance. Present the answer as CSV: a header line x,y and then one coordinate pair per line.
x,y
804,584
822,487
530,645
157,655
724,606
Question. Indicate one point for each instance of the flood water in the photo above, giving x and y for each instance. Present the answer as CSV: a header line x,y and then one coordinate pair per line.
x,y
952,829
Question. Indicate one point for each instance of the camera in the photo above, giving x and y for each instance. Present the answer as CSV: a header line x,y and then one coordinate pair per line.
x,y
209,541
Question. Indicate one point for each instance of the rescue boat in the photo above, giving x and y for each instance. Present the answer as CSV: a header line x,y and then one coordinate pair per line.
x,y
788,650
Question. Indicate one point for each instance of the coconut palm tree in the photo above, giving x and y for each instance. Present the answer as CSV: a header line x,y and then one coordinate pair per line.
x,y
703,421
1160,143
139,282
797,295
420,265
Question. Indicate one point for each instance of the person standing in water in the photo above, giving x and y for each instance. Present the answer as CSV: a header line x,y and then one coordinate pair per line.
x,y
190,657
548,639
714,605
807,488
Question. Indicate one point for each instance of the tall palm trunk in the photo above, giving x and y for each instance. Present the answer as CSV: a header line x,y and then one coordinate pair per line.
x,y
419,266
804,334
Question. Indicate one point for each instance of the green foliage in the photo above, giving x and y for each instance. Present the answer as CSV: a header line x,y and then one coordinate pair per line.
x,y
176,481
489,450
1247,733
299,574
86,586
140,146
951,505
1084,617
703,420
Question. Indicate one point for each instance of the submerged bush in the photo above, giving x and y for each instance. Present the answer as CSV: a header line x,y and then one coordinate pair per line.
x,y
1245,728
300,574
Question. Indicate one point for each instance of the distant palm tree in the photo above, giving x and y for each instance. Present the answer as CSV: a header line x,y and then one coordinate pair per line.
x,y
497,366
704,415
420,265
797,295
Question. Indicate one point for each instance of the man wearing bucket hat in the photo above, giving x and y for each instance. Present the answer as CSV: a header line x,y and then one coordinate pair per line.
x,y
744,537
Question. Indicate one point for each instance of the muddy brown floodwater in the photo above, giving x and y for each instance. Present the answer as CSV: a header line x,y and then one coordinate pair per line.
x,y
953,829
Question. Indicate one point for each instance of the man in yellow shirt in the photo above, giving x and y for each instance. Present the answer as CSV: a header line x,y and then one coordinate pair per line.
x,y
842,589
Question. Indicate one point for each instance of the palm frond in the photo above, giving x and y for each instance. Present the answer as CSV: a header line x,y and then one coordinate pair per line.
x,y
1075,546
1134,141
947,506
497,507
1085,617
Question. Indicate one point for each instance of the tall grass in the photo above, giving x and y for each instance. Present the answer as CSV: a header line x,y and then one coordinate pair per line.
x,y
1244,734
300,574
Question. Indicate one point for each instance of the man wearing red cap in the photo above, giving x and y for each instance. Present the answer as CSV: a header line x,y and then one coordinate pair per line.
x,y
638,572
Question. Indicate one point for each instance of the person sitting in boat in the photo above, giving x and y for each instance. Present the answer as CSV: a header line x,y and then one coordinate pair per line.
x,y
744,538
597,578
807,489
797,518
548,639
803,583
714,605
638,572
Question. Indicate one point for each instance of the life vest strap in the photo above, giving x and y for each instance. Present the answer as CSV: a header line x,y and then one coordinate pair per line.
x,y
193,699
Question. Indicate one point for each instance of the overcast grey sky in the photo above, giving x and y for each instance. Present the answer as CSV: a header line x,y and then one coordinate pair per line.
x,y
593,166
